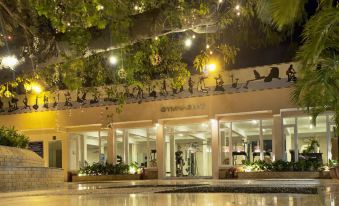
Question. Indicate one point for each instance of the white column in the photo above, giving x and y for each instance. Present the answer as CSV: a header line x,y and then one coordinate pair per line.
x,y
261,141
172,156
328,138
278,142
111,156
215,146
126,147
296,151
160,150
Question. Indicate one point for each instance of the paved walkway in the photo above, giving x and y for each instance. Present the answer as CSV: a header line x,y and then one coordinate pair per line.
x,y
124,193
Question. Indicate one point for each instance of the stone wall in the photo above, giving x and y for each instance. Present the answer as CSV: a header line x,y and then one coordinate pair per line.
x,y
16,157
22,169
30,178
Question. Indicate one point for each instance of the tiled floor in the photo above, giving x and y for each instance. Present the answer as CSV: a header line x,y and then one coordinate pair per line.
x,y
124,193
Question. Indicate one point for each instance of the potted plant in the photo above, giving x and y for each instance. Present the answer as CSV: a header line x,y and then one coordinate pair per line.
x,y
332,164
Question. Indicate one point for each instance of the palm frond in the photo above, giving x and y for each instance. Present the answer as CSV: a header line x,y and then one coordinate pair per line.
x,y
320,35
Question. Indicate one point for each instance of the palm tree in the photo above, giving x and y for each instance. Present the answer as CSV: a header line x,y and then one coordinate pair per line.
x,y
317,89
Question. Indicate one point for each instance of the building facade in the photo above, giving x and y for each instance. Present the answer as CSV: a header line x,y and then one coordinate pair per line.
x,y
216,121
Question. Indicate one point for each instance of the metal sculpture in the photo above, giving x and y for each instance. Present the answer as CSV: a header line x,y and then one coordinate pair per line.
x,y
219,84
201,84
1,106
127,93
190,85
36,106
140,93
13,104
46,104
152,92
82,99
274,73
163,89
96,97
25,102
68,99
291,74
234,83
56,100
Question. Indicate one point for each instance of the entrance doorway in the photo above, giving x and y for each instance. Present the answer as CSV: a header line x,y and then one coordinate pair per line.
x,y
188,150
55,153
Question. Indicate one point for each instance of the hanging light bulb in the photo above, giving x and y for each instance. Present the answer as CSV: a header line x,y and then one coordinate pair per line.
x,y
237,7
207,46
113,60
193,36
188,42
238,13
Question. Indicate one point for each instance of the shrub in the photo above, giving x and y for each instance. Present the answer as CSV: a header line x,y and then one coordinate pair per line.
x,y
281,166
10,137
104,169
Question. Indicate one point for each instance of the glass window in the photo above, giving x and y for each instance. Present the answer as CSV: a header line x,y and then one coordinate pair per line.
x,y
225,143
188,150
140,146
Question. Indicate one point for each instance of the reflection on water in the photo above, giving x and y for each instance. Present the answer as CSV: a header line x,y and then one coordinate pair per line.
x,y
200,199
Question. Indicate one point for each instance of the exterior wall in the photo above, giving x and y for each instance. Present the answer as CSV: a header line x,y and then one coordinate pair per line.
x,y
51,124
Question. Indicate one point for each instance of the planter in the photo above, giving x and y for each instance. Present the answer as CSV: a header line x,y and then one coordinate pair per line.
x,y
337,171
279,175
89,178
333,173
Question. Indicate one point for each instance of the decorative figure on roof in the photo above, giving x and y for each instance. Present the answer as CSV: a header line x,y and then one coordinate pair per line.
x,y
234,83
163,89
291,74
1,106
152,92
140,93
36,106
274,73
190,85
219,84
56,100
68,99
82,99
201,84
127,93
13,104
45,101
25,102
96,97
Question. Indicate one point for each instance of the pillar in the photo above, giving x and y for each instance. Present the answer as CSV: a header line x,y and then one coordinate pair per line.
x,y
215,146
126,147
111,157
172,156
278,141
160,150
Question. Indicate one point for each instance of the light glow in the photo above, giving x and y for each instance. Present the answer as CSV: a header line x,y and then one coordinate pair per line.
x,y
9,61
113,60
188,42
36,88
211,67
237,7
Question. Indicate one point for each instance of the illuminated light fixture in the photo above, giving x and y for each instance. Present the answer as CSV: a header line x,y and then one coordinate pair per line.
x,y
238,13
254,121
9,61
132,170
100,7
311,126
220,1
36,88
113,60
68,24
156,38
181,135
119,131
211,67
207,46
237,7
188,42
157,124
193,36
211,52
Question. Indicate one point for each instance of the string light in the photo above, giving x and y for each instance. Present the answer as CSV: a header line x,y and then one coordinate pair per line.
x,y
220,1
237,7
188,42
113,60
156,38
211,52
193,36
238,13
207,46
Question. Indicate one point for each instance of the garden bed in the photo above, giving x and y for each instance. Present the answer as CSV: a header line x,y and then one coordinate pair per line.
x,y
282,175
90,178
